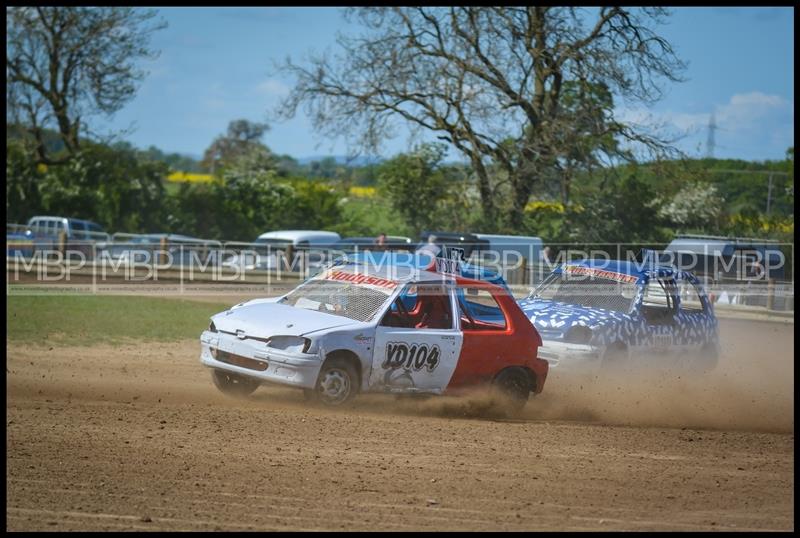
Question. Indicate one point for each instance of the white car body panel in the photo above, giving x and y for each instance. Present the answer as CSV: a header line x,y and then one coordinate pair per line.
x,y
414,360
246,329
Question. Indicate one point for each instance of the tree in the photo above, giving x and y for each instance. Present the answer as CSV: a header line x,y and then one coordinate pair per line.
x,y
420,188
492,82
242,139
110,185
697,205
65,64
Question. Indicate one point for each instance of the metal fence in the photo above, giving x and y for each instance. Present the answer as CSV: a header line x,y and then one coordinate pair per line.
x,y
252,259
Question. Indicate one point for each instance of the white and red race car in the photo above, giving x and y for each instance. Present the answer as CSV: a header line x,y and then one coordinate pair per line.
x,y
354,328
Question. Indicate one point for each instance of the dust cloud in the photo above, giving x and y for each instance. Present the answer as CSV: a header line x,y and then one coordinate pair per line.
x,y
751,388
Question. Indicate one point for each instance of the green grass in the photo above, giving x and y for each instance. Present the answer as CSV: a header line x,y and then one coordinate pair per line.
x,y
85,320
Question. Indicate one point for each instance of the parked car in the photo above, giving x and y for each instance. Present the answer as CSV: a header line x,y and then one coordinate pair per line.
x,y
263,252
351,329
43,233
605,313
141,248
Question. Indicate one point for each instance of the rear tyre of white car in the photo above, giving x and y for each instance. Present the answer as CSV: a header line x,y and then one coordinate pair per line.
x,y
232,384
337,383
512,387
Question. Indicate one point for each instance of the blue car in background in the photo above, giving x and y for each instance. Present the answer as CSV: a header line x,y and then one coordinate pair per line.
x,y
602,313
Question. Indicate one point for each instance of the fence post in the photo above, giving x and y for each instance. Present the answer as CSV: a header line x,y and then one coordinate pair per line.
x,y
770,294
62,243
524,270
289,252
162,248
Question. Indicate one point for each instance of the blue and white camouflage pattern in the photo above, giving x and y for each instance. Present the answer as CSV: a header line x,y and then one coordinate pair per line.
x,y
688,330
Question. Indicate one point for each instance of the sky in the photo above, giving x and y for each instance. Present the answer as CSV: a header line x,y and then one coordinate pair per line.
x,y
218,64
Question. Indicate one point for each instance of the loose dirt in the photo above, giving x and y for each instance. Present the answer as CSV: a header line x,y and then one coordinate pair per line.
x,y
136,437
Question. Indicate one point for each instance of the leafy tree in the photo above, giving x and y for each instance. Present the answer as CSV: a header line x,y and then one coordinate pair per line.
x,y
242,140
624,211
175,161
108,185
695,206
22,183
493,82
65,64
249,199
416,186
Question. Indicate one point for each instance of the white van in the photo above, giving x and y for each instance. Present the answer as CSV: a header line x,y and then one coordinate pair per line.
x,y
289,242
299,238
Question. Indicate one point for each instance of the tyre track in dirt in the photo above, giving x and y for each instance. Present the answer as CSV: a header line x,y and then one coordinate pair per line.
x,y
135,437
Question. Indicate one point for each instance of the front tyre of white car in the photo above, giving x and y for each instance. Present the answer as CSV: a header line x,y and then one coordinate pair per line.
x,y
232,384
337,383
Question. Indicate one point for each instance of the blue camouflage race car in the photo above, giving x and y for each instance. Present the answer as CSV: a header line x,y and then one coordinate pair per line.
x,y
602,313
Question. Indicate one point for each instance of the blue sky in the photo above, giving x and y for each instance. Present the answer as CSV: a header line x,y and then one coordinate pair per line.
x,y
216,65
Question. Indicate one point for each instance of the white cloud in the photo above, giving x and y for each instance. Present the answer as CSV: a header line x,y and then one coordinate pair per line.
x,y
272,87
748,111
751,125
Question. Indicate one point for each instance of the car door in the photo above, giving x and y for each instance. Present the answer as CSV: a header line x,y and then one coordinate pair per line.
x,y
659,310
416,349
695,326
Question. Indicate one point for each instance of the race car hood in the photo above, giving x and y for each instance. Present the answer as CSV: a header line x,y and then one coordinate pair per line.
x,y
551,317
263,320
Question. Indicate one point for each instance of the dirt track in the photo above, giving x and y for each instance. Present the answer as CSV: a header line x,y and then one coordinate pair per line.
x,y
136,437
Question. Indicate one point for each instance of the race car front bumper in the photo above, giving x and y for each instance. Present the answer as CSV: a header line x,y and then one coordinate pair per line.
x,y
253,359
564,355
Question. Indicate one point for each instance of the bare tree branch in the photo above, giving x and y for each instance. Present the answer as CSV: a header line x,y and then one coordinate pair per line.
x,y
525,90
78,61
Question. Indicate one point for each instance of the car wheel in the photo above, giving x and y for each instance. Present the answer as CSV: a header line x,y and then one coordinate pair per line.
x,y
232,384
337,383
709,356
615,356
513,386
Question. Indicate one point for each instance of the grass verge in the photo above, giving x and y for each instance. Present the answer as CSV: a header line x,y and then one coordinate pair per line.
x,y
85,320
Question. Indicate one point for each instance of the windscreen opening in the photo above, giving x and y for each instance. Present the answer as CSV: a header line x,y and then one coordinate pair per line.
x,y
588,291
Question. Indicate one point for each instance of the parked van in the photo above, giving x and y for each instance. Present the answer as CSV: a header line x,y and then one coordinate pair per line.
x,y
715,257
288,242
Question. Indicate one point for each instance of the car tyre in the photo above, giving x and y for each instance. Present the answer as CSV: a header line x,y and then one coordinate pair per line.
x,y
234,385
615,357
709,357
337,383
512,386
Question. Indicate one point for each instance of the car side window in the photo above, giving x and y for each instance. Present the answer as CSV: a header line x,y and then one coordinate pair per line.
x,y
420,307
658,301
690,296
479,310
78,229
